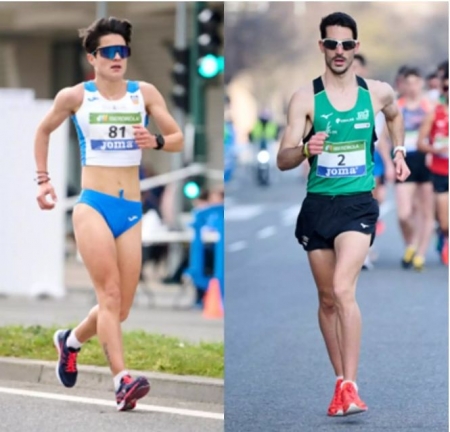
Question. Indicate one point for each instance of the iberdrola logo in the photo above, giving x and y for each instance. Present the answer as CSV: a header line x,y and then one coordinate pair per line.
x,y
102,118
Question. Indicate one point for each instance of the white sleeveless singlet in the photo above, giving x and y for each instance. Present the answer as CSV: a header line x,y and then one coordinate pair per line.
x,y
104,127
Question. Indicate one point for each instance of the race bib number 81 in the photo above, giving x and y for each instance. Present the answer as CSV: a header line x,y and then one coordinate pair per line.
x,y
339,160
113,131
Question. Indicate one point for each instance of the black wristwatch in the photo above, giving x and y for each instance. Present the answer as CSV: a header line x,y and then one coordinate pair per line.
x,y
159,141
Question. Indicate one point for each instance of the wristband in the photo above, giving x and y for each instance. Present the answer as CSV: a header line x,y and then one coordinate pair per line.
x,y
306,151
43,181
399,148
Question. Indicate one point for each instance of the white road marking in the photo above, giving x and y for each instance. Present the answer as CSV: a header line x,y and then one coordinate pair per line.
x,y
237,246
243,212
385,208
93,401
289,215
266,232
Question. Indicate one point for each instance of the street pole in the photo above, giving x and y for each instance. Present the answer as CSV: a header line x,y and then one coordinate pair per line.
x,y
101,9
178,113
198,93
176,250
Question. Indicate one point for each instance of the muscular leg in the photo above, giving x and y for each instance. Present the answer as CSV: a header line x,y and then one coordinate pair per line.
x,y
129,251
129,254
98,249
442,211
426,210
351,248
322,262
405,204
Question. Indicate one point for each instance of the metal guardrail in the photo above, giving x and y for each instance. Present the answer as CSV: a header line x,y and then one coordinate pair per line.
x,y
163,179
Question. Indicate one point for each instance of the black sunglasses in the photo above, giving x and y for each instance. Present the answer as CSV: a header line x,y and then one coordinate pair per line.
x,y
110,52
332,44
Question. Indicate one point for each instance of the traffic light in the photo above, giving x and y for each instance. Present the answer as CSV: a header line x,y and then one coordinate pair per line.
x,y
209,42
180,77
191,189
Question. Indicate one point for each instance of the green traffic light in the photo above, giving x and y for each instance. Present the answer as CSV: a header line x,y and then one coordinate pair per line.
x,y
210,66
191,190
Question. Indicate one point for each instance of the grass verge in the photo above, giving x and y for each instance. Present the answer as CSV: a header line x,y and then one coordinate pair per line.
x,y
143,351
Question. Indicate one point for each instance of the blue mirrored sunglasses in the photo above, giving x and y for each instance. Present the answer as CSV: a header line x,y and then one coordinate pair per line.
x,y
110,52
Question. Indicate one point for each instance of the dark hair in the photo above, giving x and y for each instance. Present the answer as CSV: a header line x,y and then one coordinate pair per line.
x,y
338,19
445,76
443,66
361,59
102,27
402,70
412,71
431,75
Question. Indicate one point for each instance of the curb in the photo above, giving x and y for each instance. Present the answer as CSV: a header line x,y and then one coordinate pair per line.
x,y
185,388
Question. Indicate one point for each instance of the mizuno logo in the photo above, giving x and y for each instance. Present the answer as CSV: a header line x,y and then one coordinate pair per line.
x,y
92,99
364,225
132,218
325,116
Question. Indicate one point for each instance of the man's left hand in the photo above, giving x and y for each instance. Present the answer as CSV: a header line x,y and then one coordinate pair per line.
x,y
402,171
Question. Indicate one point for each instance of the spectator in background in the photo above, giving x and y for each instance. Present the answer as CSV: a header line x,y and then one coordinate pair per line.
x,y
399,85
360,65
442,70
205,199
433,86
151,201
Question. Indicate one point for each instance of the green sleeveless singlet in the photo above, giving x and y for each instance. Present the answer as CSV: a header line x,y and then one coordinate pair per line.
x,y
346,164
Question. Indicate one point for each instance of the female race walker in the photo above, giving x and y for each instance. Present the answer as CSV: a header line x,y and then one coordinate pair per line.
x,y
110,115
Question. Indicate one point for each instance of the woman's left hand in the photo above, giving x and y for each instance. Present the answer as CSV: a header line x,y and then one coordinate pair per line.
x,y
144,139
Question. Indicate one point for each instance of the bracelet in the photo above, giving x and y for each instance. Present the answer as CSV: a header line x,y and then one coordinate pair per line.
x,y
43,172
43,181
306,151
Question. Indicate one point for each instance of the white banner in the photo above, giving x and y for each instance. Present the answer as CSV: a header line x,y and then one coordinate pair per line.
x,y
32,241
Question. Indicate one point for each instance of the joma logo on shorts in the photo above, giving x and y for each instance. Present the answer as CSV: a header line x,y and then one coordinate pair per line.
x,y
341,171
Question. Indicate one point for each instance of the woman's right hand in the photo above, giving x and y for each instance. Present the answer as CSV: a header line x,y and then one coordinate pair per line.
x,y
44,190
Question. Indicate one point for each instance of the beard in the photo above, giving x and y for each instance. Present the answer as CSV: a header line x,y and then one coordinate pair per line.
x,y
340,70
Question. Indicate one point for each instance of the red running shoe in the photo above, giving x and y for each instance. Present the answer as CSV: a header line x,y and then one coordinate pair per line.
x,y
336,409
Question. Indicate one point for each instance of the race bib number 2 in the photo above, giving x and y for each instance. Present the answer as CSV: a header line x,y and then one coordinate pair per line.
x,y
113,131
341,160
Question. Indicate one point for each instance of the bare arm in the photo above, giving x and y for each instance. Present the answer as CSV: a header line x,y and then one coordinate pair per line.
x,y
384,147
290,154
424,133
65,103
394,122
156,107
393,115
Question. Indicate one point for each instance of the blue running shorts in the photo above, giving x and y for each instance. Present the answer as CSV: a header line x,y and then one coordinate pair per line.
x,y
119,213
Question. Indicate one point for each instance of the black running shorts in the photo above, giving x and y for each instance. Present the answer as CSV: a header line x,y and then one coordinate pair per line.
x,y
419,171
440,183
322,218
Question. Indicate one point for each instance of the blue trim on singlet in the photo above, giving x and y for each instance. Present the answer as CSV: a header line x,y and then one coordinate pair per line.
x,y
132,86
81,140
90,86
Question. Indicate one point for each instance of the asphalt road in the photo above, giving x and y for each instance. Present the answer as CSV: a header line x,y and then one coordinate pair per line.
x,y
278,376
38,408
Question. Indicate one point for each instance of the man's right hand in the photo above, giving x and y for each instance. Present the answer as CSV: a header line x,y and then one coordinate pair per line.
x,y
315,144
44,190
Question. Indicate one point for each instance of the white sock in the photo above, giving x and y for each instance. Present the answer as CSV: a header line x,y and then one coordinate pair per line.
x,y
339,377
118,378
352,382
73,342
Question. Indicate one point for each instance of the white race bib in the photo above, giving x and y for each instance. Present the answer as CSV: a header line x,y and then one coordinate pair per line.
x,y
441,142
411,139
113,131
341,160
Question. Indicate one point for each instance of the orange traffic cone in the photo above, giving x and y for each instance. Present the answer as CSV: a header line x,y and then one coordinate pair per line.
x,y
212,306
